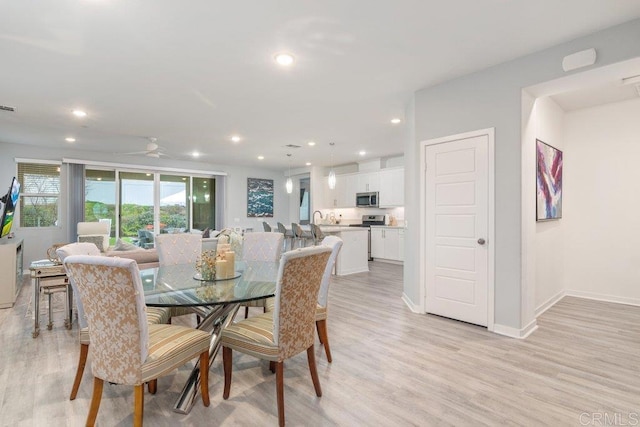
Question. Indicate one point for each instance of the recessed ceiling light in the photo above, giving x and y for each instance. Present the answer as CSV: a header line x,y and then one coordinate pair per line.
x,y
79,113
362,153
235,138
308,163
260,157
285,59
195,154
70,139
311,143
395,121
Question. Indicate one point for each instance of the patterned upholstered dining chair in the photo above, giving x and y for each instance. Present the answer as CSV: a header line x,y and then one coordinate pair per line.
x,y
179,248
155,315
261,247
124,348
335,243
289,329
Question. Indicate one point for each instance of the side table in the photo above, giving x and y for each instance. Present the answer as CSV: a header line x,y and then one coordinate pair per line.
x,y
51,277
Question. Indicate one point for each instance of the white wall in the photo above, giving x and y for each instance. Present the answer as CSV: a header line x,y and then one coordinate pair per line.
x,y
492,99
602,202
38,240
546,253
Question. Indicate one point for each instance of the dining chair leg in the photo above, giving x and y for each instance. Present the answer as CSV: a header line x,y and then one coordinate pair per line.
x,y
318,330
280,391
246,312
95,401
204,377
153,386
138,405
82,362
311,358
324,337
227,359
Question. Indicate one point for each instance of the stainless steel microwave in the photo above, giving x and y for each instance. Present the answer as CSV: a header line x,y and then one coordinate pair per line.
x,y
367,200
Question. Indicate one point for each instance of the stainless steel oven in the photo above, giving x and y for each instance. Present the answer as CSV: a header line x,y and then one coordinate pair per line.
x,y
367,222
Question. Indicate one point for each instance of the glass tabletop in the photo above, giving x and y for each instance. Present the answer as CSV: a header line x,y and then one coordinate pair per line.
x,y
175,285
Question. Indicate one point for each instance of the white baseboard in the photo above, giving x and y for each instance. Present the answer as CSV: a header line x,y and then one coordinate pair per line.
x,y
508,331
603,297
388,261
550,303
414,308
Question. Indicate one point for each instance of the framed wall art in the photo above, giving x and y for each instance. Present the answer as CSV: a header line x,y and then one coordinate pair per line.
x,y
549,182
259,198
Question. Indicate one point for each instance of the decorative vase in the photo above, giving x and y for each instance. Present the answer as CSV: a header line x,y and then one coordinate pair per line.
x,y
206,265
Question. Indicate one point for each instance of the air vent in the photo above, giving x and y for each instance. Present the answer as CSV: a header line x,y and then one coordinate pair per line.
x,y
292,146
7,108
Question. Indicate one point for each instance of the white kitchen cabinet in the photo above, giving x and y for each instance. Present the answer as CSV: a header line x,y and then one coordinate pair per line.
x,y
345,191
377,243
11,267
387,243
368,182
391,188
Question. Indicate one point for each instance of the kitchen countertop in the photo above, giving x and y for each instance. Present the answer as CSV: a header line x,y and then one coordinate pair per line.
x,y
340,228
388,226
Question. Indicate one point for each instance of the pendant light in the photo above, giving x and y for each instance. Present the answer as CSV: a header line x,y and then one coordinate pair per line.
x,y
332,173
289,183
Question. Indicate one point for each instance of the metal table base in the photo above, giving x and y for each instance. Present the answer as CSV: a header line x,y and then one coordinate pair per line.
x,y
214,320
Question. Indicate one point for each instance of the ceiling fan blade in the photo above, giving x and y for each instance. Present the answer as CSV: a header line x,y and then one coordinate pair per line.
x,y
135,152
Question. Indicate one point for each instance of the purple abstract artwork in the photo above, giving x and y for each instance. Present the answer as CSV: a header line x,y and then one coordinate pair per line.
x,y
549,177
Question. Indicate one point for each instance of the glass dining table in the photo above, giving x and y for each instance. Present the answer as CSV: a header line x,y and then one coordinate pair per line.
x,y
216,302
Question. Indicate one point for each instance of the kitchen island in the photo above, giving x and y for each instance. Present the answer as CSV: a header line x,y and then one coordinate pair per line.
x,y
353,255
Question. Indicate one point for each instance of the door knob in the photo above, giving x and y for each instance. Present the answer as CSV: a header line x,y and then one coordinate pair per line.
x,y
481,241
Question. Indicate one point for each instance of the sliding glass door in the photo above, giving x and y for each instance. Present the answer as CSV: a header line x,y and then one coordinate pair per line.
x,y
204,203
100,198
137,208
174,203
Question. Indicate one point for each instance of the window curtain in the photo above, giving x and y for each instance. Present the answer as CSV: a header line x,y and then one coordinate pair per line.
x,y
75,200
221,198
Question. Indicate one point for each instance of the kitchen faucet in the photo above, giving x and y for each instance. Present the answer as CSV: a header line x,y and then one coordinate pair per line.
x,y
313,217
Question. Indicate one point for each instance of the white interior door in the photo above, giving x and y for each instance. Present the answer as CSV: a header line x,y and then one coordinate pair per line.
x,y
456,215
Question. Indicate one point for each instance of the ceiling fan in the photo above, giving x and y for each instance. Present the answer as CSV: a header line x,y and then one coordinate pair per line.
x,y
153,149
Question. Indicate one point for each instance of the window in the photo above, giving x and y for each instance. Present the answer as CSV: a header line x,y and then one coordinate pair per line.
x,y
40,188
100,197
140,204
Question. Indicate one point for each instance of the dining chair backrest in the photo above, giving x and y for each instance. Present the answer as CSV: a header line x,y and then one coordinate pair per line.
x,y
266,226
81,248
335,243
180,248
262,246
119,338
297,286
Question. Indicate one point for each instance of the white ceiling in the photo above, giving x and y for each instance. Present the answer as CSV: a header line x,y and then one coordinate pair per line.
x,y
194,73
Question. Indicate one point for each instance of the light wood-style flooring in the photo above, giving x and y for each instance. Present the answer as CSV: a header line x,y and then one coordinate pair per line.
x,y
390,367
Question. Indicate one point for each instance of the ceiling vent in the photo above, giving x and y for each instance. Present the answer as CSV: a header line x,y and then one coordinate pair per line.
x,y
292,146
7,108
